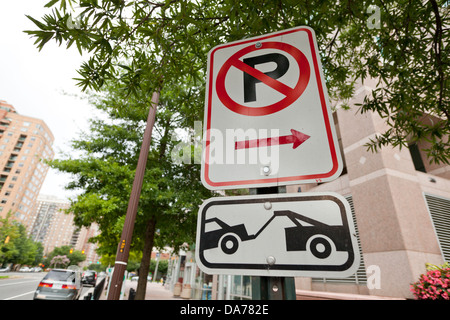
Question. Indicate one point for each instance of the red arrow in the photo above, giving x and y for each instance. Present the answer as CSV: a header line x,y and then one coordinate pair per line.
x,y
297,138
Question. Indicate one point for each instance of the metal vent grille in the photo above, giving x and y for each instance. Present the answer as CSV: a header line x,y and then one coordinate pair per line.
x,y
439,209
360,277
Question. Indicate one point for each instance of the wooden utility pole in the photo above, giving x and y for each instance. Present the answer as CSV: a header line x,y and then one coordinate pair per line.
x,y
123,249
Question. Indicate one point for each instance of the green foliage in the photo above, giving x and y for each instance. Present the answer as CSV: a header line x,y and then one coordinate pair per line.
x,y
15,245
163,266
145,45
96,267
104,171
75,257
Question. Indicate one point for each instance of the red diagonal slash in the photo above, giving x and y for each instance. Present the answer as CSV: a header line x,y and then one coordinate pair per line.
x,y
297,138
273,83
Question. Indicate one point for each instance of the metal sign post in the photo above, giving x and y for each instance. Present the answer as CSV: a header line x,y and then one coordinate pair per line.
x,y
272,288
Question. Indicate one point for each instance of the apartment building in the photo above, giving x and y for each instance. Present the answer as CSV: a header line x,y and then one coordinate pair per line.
x,y
54,227
43,217
80,242
24,143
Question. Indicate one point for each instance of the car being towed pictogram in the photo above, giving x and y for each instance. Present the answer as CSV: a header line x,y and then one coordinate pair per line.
x,y
314,236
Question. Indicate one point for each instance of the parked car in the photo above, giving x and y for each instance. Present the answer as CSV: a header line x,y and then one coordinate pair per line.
x,y
89,277
136,278
24,269
59,284
7,269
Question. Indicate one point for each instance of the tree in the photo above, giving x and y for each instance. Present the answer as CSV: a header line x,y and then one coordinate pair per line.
x,y
15,245
26,248
163,266
96,267
59,261
8,233
39,256
74,257
104,170
403,44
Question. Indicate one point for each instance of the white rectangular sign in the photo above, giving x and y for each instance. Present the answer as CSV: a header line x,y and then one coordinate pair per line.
x,y
267,116
303,234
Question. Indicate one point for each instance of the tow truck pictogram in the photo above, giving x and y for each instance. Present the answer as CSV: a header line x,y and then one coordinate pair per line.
x,y
317,237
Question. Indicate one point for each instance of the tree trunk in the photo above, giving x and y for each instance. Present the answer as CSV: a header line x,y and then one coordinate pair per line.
x,y
146,256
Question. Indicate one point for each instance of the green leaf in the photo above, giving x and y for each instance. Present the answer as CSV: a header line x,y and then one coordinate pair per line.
x,y
39,24
51,3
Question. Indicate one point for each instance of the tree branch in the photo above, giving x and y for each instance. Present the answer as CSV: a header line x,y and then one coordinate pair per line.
x,y
437,51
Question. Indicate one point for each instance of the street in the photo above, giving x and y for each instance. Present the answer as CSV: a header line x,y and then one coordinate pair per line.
x,y
21,286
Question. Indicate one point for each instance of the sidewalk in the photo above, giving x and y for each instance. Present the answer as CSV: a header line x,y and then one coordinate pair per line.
x,y
155,291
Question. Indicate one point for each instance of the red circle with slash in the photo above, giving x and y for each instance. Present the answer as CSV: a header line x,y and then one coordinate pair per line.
x,y
292,94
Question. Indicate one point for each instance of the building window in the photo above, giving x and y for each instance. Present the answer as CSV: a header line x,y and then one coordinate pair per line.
x,y
439,209
416,157
241,288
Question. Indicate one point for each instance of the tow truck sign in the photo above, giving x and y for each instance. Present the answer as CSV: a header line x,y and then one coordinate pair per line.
x,y
305,234
267,116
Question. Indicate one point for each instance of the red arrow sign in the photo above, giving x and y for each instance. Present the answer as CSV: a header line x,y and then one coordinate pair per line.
x,y
297,138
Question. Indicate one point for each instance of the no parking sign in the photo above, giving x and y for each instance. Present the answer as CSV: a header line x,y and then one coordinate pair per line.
x,y
267,115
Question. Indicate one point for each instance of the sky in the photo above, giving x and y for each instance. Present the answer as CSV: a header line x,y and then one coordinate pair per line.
x,y
40,84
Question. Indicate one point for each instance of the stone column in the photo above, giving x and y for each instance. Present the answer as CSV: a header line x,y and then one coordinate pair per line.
x,y
397,236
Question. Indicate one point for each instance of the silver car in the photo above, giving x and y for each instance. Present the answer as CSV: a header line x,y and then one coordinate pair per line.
x,y
59,284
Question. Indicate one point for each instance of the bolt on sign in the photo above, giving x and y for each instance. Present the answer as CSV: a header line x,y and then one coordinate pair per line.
x,y
297,234
267,116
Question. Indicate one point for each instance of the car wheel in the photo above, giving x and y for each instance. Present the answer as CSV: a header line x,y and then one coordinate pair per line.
x,y
320,246
229,243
